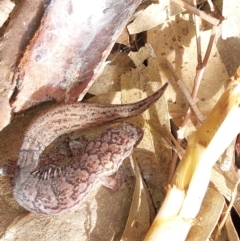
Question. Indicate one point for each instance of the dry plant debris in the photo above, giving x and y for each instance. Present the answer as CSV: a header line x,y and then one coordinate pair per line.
x,y
6,7
178,50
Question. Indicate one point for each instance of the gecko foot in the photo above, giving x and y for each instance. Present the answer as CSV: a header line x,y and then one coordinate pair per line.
x,y
47,172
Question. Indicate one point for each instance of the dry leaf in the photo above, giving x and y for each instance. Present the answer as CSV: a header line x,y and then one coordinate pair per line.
x,y
225,182
109,80
176,42
104,215
208,216
143,54
231,23
228,43
231,231
6,6
141,213
124,37
152,16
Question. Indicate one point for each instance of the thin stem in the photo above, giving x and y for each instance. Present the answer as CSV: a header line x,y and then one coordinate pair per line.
x,y
201,68
198,37
211,5
197,12
178,148
185,91
173,165
197,80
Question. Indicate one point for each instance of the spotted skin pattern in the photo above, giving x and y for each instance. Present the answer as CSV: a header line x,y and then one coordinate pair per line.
x,y
51,189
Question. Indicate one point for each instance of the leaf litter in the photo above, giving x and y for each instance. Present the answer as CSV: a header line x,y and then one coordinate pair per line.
x,y
128,78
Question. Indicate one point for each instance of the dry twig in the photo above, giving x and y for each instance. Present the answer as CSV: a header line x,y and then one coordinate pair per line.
x,y
199,74
197,12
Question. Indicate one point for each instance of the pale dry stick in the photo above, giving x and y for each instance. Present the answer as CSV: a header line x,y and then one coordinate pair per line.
x,y
198,12
202,64
211,5
185,91
200,71
198,77
184,198
194,107
197,81
201,68
198,36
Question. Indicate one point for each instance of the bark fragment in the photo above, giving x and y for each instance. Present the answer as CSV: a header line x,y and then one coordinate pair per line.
x,y
69,50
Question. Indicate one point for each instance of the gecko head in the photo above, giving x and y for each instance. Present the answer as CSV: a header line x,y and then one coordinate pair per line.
x,y
135,133
117,144
127,134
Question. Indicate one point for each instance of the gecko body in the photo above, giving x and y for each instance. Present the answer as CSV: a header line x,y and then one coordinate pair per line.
x,y
53,189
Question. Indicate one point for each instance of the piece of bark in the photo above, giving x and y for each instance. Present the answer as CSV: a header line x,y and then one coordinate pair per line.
x,y
69,50
24,21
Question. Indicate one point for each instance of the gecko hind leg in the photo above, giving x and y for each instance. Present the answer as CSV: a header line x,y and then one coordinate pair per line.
x,y
50,164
